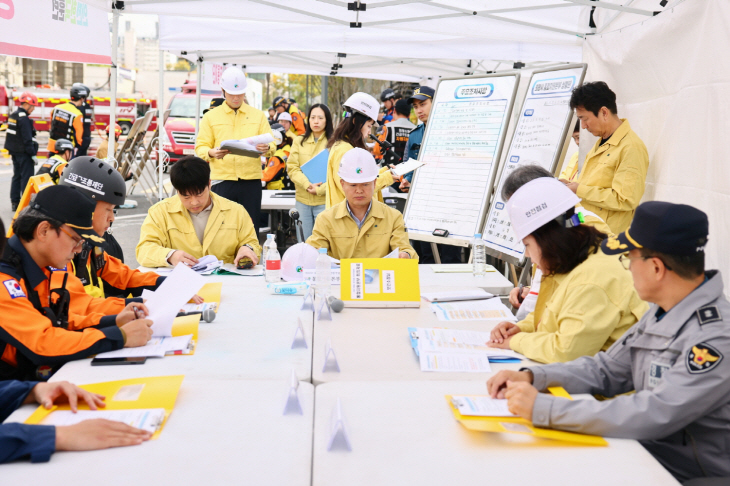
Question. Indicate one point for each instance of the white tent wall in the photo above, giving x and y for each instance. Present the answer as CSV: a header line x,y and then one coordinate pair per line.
x,y
673,84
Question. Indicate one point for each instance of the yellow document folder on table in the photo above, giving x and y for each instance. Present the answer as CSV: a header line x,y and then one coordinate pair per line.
x,y
380,282
136,393
518,425
211,292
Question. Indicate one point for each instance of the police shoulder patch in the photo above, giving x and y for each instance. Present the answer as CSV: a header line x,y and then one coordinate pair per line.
x,y
708,313
14,288
702,358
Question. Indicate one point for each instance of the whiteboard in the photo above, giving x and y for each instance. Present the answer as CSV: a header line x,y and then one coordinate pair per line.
x,y
464,136
540,139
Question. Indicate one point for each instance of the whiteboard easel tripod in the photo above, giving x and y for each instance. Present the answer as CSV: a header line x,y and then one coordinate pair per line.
x,y
541,137
461,148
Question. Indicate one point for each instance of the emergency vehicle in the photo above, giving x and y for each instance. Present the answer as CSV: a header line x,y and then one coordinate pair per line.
x,y
128,108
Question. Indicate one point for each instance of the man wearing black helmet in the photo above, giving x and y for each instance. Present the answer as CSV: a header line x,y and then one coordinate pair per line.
x,y
387,98
67,121
101,274
284,105
55,164
88,112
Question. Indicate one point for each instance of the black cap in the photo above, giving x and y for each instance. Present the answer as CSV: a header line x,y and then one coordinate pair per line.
x,y
214,103
401,106
71,207
422,93
674,229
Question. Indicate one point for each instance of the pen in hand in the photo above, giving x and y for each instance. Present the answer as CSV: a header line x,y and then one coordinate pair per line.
x,y
520,299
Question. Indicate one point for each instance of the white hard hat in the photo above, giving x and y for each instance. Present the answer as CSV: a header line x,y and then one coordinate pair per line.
x,y
365,104
283,116
296,259
537,203
233,81
357,166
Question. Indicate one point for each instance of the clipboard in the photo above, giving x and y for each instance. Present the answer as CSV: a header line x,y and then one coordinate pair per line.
x,y
234,147
156,392
518,425
316,168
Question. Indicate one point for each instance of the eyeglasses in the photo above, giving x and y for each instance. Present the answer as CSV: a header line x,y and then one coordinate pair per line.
x,y
625,260
79,242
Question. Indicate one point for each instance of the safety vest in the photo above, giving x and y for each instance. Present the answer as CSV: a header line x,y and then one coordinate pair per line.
x,y
86,269
88,113
14,142
62,122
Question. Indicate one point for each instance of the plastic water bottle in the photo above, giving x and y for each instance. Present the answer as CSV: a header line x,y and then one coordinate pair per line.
x,y
322,277
479,256
272,262
265,248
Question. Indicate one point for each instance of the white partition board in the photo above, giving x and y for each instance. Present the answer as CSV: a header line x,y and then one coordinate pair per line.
x,y
461,148
539,139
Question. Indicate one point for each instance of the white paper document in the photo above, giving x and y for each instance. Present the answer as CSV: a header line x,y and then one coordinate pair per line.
x,y
473,311
457,295
406,167
188,308
246,146
481,406
156,347
393,254
255,271
207,265
433,359
165,303
149,419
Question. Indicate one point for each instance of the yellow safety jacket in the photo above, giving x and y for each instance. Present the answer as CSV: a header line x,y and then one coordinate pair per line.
x,y
382,232
611,183
587,311
168,227
223,123
67,121
571,170
302,152
334,194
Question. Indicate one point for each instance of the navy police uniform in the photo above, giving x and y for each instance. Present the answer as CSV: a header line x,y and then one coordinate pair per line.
x,y
21,144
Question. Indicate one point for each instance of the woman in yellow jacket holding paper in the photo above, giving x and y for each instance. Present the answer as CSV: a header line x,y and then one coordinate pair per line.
x,y
361,112
310,196
593,302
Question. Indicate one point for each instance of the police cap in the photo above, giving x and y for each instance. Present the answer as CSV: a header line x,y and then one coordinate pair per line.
x,y
71,207
422,93
674,229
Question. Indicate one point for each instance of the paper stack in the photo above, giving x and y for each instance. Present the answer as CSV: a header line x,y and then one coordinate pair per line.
x,y
473,311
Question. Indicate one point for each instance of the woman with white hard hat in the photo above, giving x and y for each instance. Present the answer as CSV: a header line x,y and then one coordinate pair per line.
x,y
594,301
361,113
234,177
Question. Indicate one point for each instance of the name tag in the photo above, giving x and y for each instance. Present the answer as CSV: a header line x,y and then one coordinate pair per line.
x,y
656,371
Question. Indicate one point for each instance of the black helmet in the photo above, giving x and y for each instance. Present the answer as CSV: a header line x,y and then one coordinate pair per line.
x,y
387,94
214,103
62,145
279,100
95,178
279,132
79,91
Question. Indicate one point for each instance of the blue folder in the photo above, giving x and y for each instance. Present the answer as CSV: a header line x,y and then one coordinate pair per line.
x,y
316,168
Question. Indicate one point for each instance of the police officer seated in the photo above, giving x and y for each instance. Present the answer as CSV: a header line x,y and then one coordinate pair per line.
x,y
673,358
360,226
196,222
39,330
55,164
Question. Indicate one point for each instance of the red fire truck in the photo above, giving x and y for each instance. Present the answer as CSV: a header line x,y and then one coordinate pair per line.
x,y
128,108
178,139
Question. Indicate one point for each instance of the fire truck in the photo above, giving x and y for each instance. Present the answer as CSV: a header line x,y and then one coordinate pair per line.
x,y
128,108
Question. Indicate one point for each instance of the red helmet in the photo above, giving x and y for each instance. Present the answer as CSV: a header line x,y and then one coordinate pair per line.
x,y
29,98
117,130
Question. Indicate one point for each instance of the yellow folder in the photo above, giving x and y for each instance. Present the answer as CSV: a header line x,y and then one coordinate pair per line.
x,y
184,325
211,292
380,282
156,392
518,425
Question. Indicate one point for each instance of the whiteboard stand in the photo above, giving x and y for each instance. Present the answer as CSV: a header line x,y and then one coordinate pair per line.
x,y
541,137
461,148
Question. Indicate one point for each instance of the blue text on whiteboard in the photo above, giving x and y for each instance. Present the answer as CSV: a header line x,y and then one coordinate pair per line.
x,y
553,86
474,91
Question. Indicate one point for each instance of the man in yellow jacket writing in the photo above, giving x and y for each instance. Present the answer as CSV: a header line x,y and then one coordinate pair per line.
x,y
235,177
196,222
612,180
360,226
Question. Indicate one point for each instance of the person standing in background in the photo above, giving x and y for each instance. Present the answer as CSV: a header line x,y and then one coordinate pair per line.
x,y
20,143
235,177
570,172
285,105
88,113
310,197
612,181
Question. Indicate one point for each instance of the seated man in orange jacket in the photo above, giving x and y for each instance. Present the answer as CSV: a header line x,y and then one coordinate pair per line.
x,y
38,330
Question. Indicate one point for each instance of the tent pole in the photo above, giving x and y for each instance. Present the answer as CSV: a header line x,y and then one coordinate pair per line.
x,y
113,81
160,125
324,90
198,88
